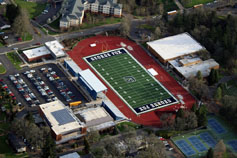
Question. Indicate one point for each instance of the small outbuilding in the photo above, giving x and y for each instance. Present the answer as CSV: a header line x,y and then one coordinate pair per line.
x,y
17,144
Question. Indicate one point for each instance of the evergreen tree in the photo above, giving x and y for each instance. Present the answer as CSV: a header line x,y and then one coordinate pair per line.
x,y
11,12
199,75
87,146
210,153
180,113
194,108
218,94
49,149
202,115
211,77
217,76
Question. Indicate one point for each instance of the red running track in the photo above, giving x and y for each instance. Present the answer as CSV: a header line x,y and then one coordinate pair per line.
x,y
104,43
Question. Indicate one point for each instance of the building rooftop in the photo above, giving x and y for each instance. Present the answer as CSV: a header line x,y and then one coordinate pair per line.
x,y
70,155
73,8
92,81
191,70
56,48
175,46
94,116
73,65
119,115
36,52
60,118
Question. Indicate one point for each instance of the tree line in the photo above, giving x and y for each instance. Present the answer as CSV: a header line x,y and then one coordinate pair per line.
x,y
218,34
19,19
143,7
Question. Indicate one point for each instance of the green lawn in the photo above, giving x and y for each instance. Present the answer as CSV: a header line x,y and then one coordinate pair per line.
x,y
33,8
108,20
15,60
55,23
2,69
131,81
27,37
191,3
85,25
147,27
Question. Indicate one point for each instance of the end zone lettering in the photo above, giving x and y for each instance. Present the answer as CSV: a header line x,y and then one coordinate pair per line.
x,y
154,105
105,55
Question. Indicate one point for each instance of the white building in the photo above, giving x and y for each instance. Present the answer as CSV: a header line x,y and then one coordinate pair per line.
x,y
64,124
36,53
73,10
55,48
172,47
189,67
180,52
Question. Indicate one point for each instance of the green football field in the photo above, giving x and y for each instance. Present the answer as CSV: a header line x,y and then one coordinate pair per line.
x,y
131,81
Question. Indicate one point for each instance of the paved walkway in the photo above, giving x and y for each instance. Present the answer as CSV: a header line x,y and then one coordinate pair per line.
x,y
180,6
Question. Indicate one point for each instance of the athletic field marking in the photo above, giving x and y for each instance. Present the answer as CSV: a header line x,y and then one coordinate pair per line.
x,y
139,88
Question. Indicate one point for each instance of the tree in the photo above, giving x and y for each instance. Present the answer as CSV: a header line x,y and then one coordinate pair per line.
x,y
180,113
218,94
98,152
202,115
219,149
213,77
194,108
126,25
188,120
87,146
154,149
167,120
199,76
157,32
229,109
21,25
198,88
11,12
210,153
93,137
49,148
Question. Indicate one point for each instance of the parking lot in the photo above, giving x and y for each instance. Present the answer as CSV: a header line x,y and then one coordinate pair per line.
x,y
41,85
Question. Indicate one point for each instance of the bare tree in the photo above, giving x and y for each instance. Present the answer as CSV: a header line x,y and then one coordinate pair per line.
x,y
126,25
22,24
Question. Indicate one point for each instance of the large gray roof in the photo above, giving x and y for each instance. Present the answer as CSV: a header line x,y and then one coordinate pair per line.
x,y
73,8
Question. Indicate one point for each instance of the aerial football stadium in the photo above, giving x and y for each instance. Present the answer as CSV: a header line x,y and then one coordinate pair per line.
x,y
124,68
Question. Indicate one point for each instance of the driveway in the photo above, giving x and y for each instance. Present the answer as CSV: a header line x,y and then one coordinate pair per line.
x,y
42,18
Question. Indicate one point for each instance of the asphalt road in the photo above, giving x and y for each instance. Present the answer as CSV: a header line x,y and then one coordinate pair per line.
x,y
44,38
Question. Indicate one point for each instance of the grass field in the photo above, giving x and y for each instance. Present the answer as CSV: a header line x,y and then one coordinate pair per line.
x,y
27,37
191,3
15,60
34,9
2,69
131,81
